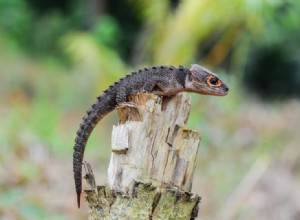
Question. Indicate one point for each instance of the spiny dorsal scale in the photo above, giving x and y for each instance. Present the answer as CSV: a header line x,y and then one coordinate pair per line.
x,y
130,74
79,132
79,139
89,111
83,119
94,119
76,147
85,128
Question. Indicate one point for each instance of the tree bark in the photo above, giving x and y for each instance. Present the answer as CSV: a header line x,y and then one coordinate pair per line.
x,y
152,163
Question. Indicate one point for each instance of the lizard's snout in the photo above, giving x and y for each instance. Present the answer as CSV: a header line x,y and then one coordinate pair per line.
x,y
226,89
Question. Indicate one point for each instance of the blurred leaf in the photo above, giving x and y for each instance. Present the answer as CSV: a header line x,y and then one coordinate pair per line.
x,y
86,51
16,19
106,31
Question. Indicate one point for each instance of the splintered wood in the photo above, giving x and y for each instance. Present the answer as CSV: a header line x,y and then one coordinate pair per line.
x,y
153,146
153,156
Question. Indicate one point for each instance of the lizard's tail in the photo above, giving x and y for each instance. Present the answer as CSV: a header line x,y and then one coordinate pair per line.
x,y
102,106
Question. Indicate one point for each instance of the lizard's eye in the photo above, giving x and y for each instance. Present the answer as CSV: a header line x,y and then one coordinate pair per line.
x,y
213,81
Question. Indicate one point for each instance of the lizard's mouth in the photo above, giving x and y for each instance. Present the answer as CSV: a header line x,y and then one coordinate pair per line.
x,y
222,94
223,91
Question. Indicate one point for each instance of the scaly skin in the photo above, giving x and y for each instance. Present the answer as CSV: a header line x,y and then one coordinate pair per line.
x,y
159,80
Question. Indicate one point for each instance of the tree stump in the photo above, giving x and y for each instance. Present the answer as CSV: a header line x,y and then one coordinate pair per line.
x,y
152,163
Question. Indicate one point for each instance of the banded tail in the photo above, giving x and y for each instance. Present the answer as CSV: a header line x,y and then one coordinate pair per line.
x,y
101,107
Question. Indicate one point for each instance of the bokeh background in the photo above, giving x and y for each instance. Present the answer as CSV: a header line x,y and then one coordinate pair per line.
x,y
56,56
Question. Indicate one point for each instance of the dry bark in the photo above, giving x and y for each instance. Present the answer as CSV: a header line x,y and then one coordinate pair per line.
x,y
152,163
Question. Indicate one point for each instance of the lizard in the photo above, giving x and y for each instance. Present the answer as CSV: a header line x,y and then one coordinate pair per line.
x,y
159,80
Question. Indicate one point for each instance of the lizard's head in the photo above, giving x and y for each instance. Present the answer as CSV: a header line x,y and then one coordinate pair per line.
x,y
202,81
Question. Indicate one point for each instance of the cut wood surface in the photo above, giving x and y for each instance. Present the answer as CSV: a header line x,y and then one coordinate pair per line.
x,y
152,162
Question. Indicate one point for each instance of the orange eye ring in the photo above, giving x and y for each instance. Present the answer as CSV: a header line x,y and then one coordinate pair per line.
x,y
213,81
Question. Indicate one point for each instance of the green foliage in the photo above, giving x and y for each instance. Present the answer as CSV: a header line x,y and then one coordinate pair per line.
x,y
37,33
107,31
16,19
281,22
